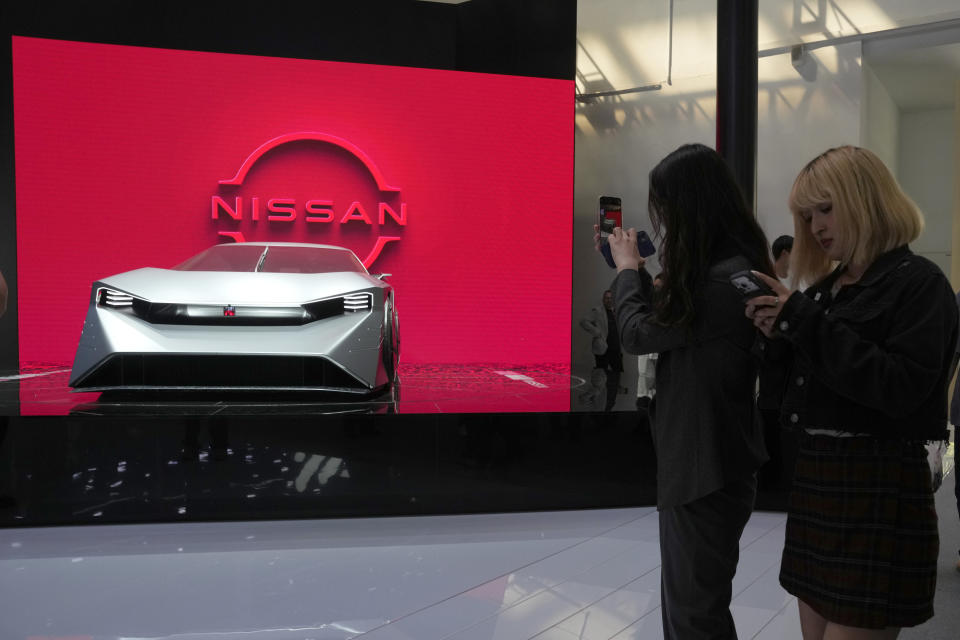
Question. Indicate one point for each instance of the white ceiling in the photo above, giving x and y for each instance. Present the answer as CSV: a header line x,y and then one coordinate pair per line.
x,y
920,71
918,77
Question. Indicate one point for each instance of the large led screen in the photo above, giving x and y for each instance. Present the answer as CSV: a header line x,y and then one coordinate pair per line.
x,y
457,184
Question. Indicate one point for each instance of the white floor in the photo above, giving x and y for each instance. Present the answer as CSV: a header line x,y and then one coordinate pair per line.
x,y
551,576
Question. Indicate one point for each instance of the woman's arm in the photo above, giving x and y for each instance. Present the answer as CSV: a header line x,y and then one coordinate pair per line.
x,y
639,332
632,299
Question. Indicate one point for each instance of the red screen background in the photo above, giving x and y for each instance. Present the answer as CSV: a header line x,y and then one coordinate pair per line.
x,y
119,151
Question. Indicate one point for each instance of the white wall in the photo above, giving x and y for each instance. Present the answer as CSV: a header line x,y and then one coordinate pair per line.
x,y
788,22
844,104
624,44
880,120
798,119
927,174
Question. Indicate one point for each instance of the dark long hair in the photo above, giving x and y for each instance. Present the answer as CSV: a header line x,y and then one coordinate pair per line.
x,y
701,217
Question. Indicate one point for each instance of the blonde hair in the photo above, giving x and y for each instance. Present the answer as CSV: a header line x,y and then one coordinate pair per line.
x,y
872,214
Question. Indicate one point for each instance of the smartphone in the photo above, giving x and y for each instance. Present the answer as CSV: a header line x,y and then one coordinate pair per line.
x,y
645,244
750,286
609,217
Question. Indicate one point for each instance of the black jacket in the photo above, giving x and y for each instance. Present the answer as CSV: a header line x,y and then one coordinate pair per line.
x,y
875,360
704,419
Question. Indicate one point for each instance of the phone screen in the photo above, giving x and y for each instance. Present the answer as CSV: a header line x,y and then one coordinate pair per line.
x,y
609,215
750,286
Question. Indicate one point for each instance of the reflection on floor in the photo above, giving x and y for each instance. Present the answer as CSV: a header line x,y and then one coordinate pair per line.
x,y
94,470
41,389
552,576
603,389
571,575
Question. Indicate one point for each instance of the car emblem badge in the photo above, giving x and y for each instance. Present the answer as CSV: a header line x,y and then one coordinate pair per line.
x,y
240,208
229,311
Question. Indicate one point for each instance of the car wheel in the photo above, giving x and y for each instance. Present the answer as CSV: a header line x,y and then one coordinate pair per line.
x,y
391,349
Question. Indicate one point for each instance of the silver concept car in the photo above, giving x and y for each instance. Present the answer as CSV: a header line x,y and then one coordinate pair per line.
x,y
250,315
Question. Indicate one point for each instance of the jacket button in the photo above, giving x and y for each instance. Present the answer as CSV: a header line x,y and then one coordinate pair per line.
x,y
800,381
794,418
784,325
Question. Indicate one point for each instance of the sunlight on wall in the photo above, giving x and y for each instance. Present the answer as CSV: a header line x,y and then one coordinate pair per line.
x,y
789,22
625,44
620,138
797,119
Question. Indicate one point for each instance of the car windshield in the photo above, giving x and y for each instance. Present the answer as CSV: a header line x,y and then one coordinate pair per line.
x,y
278,259
310,260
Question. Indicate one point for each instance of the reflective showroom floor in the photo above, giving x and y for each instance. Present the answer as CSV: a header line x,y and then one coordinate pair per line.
x,y
550,575
567,575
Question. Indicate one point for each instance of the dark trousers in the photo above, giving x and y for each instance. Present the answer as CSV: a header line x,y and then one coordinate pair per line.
x,y
699,550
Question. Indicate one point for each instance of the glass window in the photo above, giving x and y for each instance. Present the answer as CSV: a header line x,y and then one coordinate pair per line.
x,y
246,257
225,257
310,260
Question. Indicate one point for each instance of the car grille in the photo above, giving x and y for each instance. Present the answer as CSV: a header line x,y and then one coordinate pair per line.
x,y
211,371
231,315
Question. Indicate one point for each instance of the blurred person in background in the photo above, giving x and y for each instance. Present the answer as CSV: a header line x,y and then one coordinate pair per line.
x,y
781,249
647,378
605,345
955,421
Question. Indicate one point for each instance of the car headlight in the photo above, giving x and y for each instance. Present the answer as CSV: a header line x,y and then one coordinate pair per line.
x,y
358,301
114,299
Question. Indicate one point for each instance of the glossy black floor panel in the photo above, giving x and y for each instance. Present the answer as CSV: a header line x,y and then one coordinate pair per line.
x,y
91,469
448,439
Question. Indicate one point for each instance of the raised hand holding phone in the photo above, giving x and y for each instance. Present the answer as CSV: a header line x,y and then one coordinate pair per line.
x,y
609,220
623,250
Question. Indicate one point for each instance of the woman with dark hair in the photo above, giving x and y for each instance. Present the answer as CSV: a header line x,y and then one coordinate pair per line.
x,y
705,424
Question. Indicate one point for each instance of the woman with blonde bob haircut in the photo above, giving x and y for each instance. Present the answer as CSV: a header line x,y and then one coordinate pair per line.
x,y
870,208
860,362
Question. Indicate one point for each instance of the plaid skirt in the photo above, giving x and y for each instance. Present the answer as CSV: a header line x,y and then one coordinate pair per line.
x,y
862,542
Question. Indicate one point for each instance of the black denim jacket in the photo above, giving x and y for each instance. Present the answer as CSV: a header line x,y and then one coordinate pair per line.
x,y
875,360
704,420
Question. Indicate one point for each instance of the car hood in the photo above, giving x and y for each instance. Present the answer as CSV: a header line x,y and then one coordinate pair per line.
x,y
243,288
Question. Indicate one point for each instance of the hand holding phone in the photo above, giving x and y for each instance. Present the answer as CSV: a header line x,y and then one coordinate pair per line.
x,y
763,298
609,217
